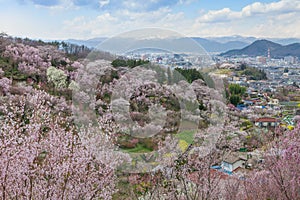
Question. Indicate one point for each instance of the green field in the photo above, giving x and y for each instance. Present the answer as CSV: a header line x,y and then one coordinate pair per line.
x,y
187,136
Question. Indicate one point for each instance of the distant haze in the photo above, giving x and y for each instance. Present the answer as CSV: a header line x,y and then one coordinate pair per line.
x,y
211,44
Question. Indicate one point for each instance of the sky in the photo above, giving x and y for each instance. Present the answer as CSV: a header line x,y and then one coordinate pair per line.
x,y
85,19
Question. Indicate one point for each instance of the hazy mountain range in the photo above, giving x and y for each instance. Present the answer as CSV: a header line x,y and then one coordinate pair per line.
x,y
261,48
210,44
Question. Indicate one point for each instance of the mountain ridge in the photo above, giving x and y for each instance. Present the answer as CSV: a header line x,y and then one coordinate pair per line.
x,y
262,47
210,44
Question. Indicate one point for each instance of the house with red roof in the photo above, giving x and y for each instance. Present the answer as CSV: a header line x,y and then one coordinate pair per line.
x,y
267,122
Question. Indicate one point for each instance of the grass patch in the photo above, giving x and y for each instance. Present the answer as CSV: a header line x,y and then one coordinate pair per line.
x,y
124,188
188,125
187,136
223,71
138,149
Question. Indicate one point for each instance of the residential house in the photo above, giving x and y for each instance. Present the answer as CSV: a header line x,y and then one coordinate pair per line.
x,y
233,162
267,122
273,102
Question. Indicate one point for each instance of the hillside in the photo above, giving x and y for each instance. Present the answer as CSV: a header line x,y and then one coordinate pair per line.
x,y
67,129
260,48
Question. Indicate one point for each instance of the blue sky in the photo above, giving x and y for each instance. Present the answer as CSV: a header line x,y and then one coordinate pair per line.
x,y
83,19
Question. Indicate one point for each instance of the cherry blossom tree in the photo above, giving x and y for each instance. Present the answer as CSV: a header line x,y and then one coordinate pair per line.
x,y
35,60
5,85
29,58
277,177
281,172
1,72
57,77
182,175
42,155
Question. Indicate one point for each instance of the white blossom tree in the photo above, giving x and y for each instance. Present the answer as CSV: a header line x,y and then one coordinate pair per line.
x,y
57,77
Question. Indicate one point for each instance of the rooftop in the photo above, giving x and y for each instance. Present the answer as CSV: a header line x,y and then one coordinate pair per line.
x,y
267,119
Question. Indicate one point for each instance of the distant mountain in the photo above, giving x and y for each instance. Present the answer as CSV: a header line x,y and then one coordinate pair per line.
x,y
236,38
286,41
260,48
214,46
208,45
249,40
91,43
288,50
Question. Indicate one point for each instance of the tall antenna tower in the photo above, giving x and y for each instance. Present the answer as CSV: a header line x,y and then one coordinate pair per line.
x,y
269,53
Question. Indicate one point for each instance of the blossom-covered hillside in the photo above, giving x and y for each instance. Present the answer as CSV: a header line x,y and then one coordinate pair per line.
x,y
81,124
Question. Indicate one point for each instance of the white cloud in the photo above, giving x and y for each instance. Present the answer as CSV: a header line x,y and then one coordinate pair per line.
x,y
275,7
277,19
108,24
62,6
103,3
224,14
251,10
85,27
133,5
